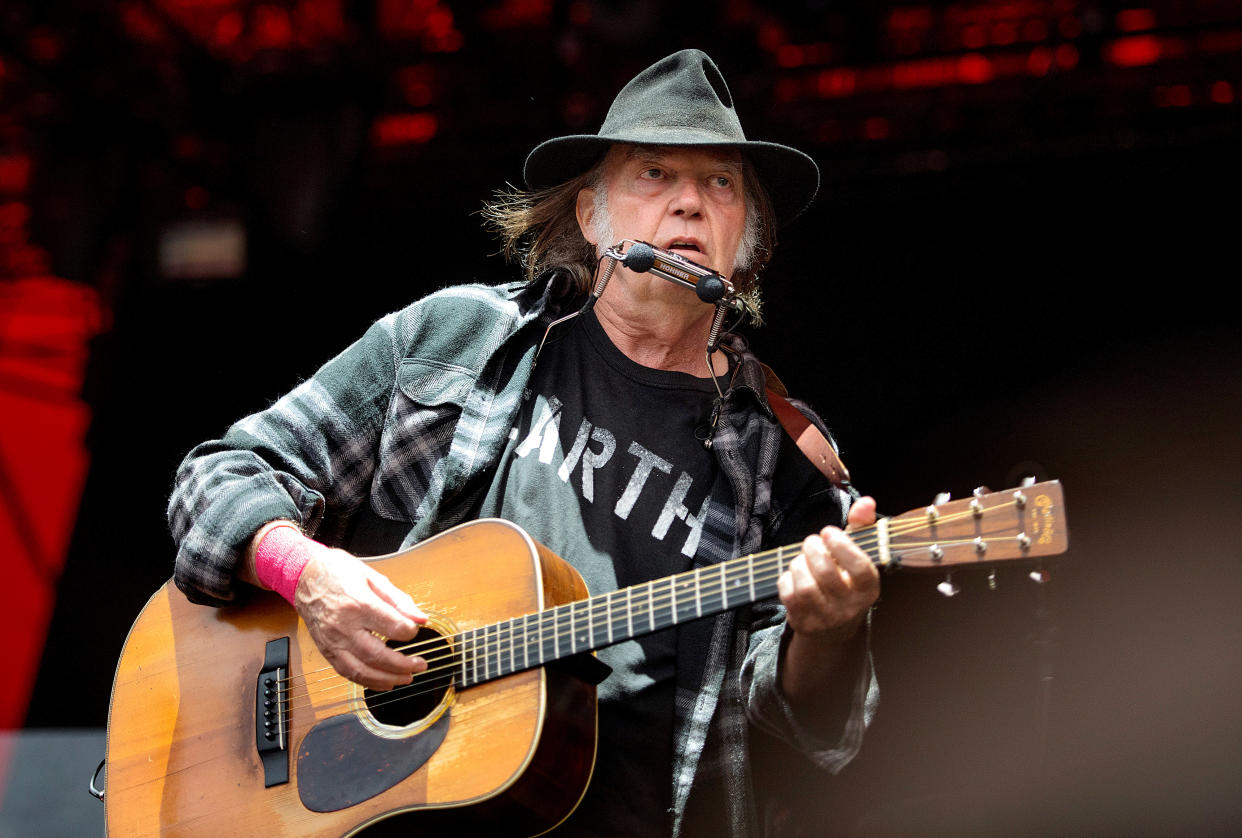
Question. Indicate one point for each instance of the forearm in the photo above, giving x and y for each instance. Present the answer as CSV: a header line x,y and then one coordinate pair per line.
x,y
828,720
814,666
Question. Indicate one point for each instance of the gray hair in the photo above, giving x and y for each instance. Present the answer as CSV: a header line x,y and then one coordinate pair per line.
x,y
538,230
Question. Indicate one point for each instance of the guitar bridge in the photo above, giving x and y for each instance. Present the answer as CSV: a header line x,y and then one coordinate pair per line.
x,y
271,713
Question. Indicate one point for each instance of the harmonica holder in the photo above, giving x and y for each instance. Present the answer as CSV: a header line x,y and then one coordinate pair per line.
x,y
640,257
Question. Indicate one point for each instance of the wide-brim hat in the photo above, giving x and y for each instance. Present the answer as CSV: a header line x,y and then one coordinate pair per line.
x,y
681,100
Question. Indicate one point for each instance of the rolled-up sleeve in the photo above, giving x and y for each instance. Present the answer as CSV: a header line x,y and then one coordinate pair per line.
x,y
313,450
833,736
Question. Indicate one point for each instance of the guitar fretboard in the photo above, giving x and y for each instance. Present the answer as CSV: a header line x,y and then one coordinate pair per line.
x,y
513,645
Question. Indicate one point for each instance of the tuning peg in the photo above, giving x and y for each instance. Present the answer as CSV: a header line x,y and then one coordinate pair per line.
x,y
948,587
992,579
1040,576
1029,480
943,497
980,491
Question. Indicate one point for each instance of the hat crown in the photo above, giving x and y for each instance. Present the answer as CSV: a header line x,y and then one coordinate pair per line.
x,y
681,100
685,94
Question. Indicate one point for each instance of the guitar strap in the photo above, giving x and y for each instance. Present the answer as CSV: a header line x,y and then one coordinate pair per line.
x,y
811,441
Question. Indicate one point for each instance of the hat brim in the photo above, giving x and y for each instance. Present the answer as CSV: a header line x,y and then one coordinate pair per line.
x,y
790,177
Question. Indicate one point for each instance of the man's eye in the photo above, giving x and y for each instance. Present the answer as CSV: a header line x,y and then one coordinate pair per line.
x,y
722,182
653,174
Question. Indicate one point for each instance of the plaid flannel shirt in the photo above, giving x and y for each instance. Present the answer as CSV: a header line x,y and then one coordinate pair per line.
x,y
396,428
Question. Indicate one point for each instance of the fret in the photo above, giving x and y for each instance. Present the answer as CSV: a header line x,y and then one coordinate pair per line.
x,y
539,623
573,638
586,638
698,594
556,635
461,656
672,593
474,657
629,609
512,634
750,569
487,654
608,615
526,642
650,606
724,591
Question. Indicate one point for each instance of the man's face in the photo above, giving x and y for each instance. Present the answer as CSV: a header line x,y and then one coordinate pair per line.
x,y
689,201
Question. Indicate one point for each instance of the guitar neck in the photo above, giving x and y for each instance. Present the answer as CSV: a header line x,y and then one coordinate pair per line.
x,y
1018,524
520,643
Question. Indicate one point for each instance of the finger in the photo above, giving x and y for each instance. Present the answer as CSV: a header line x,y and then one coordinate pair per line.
x,y
808,593
384,617
376,653
822,564
861,514
848,556
349,666
396,597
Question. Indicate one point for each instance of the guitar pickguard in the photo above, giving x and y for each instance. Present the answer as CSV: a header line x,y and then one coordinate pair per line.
x,y
341,763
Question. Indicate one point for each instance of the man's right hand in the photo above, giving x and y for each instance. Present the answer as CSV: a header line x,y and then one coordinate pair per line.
x,y
349,607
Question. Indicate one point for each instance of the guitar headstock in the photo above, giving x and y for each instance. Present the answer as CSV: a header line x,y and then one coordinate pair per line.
x,y
988,528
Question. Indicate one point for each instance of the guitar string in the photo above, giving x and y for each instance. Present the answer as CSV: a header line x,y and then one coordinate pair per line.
x,y
762,562
663,604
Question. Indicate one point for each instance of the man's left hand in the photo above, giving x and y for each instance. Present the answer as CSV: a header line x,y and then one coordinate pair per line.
x,y
827,591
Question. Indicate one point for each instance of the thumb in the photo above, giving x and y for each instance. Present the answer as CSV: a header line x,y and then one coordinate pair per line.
x,y
861,514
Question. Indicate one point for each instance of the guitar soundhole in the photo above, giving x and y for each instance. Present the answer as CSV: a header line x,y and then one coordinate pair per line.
x,y
407,705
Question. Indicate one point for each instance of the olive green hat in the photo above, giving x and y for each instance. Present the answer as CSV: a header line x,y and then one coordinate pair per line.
x,y
681,100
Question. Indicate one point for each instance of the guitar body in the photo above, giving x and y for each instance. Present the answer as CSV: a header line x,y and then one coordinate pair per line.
x,y
510,756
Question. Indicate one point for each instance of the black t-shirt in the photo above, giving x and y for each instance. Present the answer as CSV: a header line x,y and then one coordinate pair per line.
x,y
606,467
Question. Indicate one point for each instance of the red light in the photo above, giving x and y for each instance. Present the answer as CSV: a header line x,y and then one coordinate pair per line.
x,y
272,28
974,69
580,13
828,131
1173,96
45,46
772,36
1039,62
1035,30
403,129
834,83
228,29
1215,42
14,173
974,37
789,55
875,128
14,215
911,17
1136,20
1222,93
1004,34
1137,51
1067,57
196,197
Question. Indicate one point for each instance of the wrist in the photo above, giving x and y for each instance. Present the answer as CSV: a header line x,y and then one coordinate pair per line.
x,y
280,557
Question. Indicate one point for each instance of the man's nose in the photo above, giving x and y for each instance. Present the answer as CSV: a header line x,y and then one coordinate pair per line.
x,y
686,199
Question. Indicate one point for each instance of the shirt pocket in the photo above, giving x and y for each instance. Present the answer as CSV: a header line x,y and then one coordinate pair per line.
x,y
417,434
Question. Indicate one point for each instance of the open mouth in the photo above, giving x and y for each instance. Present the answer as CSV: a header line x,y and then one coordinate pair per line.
x,y
684,247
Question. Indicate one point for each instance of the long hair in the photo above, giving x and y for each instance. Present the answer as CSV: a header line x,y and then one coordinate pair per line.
x,y
538,231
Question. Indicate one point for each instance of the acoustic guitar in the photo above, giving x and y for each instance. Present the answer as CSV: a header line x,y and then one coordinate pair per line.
x,y
228,721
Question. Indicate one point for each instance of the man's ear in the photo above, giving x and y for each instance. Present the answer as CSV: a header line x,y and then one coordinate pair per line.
x,y
584,209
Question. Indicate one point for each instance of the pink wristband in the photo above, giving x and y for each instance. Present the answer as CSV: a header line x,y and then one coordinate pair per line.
x,y
281,557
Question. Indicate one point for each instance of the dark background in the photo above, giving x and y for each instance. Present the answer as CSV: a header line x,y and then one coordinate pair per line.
x,y
1022,261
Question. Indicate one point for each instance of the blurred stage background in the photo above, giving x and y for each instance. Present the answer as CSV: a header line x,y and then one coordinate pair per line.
x,y
1023,260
